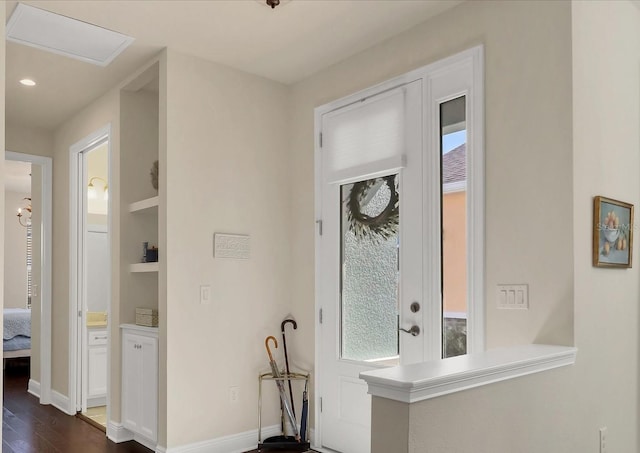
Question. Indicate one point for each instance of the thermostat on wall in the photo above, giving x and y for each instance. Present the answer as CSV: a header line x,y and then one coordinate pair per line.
x,y
235,246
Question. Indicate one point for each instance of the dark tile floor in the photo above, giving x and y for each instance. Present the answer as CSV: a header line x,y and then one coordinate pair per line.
x,y
28,427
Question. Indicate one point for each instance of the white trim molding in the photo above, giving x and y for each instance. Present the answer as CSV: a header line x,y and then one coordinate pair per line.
x,y
118,433
422,381
61,402
77,335
235,443
34,388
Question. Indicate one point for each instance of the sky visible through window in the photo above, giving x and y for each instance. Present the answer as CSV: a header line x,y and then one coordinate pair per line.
x,y
453,140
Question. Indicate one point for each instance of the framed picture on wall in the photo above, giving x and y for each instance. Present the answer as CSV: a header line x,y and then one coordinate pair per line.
x,y
612,233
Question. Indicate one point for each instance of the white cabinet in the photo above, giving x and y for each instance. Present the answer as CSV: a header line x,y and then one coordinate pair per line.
x,y
97,368
140,380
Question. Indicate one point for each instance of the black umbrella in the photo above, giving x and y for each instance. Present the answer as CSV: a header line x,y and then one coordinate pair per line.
x,y
283,394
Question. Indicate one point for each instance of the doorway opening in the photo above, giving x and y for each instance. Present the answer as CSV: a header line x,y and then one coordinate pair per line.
x,y
27,292
91,277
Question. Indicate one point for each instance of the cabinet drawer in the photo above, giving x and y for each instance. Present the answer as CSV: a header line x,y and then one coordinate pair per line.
x,y
97,337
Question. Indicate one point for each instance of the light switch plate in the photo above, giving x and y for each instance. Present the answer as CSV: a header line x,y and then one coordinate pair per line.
x,y
513,297
205,294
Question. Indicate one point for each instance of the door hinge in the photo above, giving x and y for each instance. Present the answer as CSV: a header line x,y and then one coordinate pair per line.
x,y
320,404
319,222
320,139
320,316
79,313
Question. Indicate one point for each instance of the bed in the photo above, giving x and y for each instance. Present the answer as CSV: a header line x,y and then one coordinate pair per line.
x,y
17,333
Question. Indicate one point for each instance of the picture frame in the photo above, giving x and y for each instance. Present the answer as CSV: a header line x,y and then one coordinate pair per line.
x,y
612,233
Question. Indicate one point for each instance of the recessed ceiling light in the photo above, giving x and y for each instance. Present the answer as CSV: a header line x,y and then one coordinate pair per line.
x,y
28,82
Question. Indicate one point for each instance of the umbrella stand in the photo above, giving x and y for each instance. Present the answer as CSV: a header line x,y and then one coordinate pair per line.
x,y
280,384
283,443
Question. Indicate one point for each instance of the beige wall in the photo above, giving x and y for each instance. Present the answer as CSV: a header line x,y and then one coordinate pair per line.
x,y
528,147
242,162
606,129
561,411
27,139
226,171
527,73
15,251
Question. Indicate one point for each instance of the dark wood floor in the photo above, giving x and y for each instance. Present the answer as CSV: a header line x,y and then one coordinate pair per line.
x,y
28,427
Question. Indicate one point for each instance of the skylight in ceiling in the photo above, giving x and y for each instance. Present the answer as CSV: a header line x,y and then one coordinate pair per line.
x,y
63,35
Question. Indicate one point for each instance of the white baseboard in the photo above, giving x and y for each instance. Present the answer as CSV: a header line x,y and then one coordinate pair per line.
x,y
235,443
34,388
97,401
151,445
118,433
61,402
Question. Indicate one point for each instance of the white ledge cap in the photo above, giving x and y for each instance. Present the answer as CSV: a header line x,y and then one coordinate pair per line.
x,y
421,381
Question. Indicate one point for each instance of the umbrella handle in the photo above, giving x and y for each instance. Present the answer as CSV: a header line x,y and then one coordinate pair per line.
x,y
284,323
266,345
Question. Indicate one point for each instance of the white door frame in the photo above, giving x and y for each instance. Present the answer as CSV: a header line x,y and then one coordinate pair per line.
x,y
77,197
45,275
472,58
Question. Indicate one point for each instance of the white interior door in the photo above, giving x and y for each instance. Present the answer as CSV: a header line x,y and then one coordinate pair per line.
x,y
371,208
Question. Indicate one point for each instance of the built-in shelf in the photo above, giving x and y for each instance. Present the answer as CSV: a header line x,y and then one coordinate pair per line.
x,y
421,381
136,327
144,204
144,267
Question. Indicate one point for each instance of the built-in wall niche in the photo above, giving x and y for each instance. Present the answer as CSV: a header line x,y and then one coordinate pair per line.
x,y
139,281
139,199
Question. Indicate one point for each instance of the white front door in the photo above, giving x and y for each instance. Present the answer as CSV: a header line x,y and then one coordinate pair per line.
x,y
371,207
399,249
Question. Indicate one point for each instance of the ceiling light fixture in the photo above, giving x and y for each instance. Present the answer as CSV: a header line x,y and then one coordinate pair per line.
x,y
273,3
28,82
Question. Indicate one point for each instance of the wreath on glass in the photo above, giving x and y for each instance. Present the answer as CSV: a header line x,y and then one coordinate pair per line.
x,y
377,227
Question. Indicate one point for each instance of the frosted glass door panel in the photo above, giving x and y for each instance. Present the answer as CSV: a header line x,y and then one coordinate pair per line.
x,y
369,249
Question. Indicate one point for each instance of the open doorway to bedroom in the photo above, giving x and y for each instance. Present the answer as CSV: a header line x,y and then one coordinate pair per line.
x,y
20,288
27,270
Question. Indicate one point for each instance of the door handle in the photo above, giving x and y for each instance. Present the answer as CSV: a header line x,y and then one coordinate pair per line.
x,y
414,330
